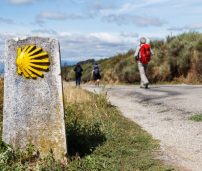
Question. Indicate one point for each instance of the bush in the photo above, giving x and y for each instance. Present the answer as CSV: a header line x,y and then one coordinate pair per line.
x,y
199,45
198,65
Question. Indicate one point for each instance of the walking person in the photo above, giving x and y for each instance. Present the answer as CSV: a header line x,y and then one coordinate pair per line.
x,y
96,74
143,55
78,73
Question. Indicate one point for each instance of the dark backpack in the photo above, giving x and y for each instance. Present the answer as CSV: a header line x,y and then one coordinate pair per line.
x,y
96,71
79,71
145,52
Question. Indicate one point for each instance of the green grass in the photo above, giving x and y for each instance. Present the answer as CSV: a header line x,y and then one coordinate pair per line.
x,y
197,118
99,139
105,140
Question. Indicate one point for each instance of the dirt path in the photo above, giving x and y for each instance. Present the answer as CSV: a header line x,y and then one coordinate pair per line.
x,y
163,111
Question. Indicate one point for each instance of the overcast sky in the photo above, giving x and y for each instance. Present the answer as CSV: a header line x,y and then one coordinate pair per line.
x,y
97,28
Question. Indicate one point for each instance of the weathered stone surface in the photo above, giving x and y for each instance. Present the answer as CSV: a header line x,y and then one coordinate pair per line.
x,y
33,108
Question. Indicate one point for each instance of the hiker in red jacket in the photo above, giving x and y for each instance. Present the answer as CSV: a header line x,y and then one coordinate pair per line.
x,y
143,55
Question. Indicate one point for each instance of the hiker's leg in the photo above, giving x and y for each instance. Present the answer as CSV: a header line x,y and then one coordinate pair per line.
x,y
144,80
145,70
98,82
79,81
139,68
141,84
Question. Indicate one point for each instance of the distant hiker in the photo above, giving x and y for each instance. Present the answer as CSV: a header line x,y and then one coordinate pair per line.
x,y
78,73
96,74
143,55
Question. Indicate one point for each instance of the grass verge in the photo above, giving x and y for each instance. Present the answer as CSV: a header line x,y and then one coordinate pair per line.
x,y
197,118
99,138
105,140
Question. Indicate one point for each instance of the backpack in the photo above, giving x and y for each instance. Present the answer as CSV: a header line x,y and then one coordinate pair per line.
x,y
145,52
96,71
78,71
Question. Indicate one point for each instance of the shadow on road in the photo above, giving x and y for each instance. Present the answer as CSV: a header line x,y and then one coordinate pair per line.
x,y
153,94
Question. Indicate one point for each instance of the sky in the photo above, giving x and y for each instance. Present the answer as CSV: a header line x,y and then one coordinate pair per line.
x,y
97,28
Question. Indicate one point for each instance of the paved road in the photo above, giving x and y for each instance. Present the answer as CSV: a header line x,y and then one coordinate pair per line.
x,y
164,112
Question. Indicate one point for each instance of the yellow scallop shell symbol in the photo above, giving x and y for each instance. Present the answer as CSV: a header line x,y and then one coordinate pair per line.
x,y
31,61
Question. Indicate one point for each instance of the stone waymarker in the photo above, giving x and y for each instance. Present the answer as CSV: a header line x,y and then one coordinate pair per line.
x,y
33,98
